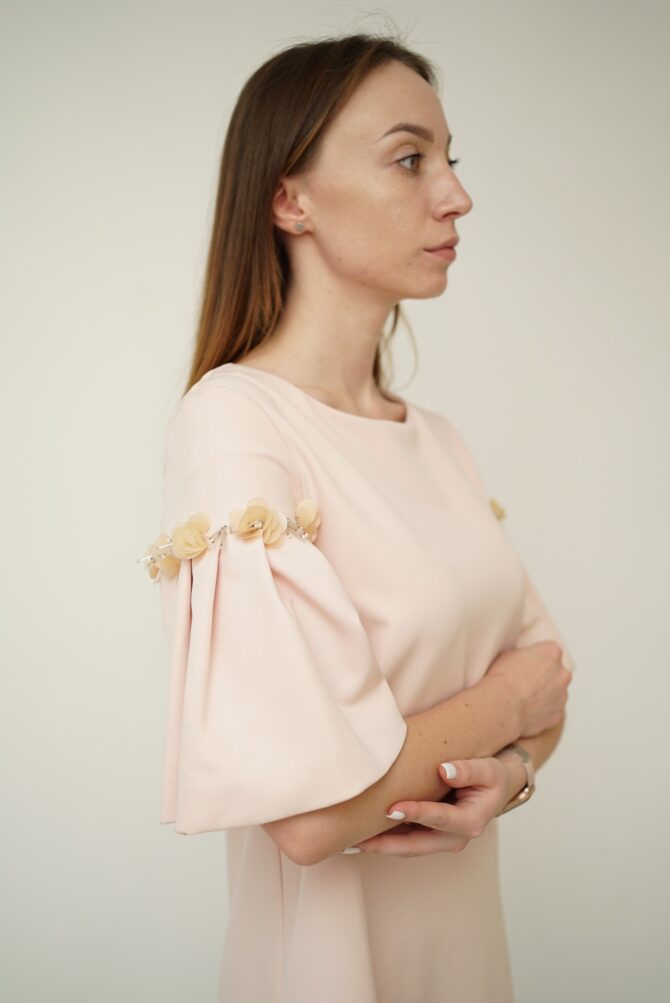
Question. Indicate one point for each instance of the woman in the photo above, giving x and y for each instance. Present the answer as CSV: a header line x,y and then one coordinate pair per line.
x,y
349,625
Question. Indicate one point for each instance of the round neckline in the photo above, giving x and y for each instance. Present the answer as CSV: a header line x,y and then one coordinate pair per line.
x,y
409,410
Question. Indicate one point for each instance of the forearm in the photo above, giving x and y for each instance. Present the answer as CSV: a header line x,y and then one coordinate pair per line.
x,y
475,722
539,748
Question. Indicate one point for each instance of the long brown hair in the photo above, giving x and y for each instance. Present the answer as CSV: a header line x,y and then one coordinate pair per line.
x,y
276,127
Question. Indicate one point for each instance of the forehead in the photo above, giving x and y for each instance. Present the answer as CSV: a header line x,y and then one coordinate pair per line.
x,y
390,94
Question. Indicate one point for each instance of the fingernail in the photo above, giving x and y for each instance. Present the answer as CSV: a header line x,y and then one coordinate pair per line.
x,y
352,849
396,815
450,770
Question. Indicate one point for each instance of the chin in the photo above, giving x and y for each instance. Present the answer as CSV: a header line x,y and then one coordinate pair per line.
x,y
427,289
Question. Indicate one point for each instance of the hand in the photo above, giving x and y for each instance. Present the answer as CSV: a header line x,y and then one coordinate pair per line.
x,y
481,787
539,681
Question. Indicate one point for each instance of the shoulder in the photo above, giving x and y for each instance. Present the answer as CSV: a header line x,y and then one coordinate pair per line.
x,y
456,444
219,413
221,394
441,426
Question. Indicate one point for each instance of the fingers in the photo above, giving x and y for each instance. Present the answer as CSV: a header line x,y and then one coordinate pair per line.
x,y
468,772
458,819
417,843
475,804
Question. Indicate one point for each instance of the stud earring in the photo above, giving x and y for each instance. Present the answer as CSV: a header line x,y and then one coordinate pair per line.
x,y
299,226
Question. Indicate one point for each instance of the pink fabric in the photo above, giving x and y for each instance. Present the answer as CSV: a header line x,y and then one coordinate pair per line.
x,y
293,669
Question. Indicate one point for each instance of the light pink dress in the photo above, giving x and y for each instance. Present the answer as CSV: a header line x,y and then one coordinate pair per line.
x,y
293,669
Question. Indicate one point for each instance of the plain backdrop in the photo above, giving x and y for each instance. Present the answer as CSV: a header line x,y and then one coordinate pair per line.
x,y
549,350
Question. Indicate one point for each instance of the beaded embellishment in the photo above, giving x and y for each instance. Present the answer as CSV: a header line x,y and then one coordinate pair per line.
x,y
498,510
190,539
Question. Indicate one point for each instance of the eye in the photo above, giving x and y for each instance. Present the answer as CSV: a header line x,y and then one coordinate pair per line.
x,y
419,156
412,156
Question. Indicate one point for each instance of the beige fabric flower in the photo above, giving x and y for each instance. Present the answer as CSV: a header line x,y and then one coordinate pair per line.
x,y
308,517
188,539
163,563
259,519
498,510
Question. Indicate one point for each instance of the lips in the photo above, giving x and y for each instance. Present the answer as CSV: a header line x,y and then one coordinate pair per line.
x,y
447,243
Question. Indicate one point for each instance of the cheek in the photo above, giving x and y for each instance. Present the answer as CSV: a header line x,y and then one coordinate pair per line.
x,y
382,197
368,224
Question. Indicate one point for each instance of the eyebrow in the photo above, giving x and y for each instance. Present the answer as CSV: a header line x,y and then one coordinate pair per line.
x,y
416,130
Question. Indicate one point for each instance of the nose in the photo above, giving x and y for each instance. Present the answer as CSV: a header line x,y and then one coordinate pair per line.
x,y
453,197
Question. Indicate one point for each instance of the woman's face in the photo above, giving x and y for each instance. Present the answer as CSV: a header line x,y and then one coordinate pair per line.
x,y
373,202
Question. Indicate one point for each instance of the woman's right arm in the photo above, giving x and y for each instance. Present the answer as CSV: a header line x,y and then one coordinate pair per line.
x,y
522,693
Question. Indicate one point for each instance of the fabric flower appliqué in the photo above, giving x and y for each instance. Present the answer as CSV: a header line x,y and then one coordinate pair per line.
x,y
498,510
190,539
258,519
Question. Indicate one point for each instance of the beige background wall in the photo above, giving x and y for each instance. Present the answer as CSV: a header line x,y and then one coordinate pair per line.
x,y
549,350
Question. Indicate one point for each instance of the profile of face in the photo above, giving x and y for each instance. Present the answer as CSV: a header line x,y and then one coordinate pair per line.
x,y
376,199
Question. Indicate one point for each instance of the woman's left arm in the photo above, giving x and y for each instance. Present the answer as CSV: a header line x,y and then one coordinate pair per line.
x,y
482,787
539,748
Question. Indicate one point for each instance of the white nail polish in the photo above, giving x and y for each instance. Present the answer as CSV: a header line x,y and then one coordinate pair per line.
x,y
396,815
450,770
352,849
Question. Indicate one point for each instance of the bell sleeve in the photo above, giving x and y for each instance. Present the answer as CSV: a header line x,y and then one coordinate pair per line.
x,y
276,704
537,623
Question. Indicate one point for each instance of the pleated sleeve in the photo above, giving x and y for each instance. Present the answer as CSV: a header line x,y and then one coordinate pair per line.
x,y
276,703
537,622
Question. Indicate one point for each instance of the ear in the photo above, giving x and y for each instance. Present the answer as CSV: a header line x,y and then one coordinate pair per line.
x,y
287,206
